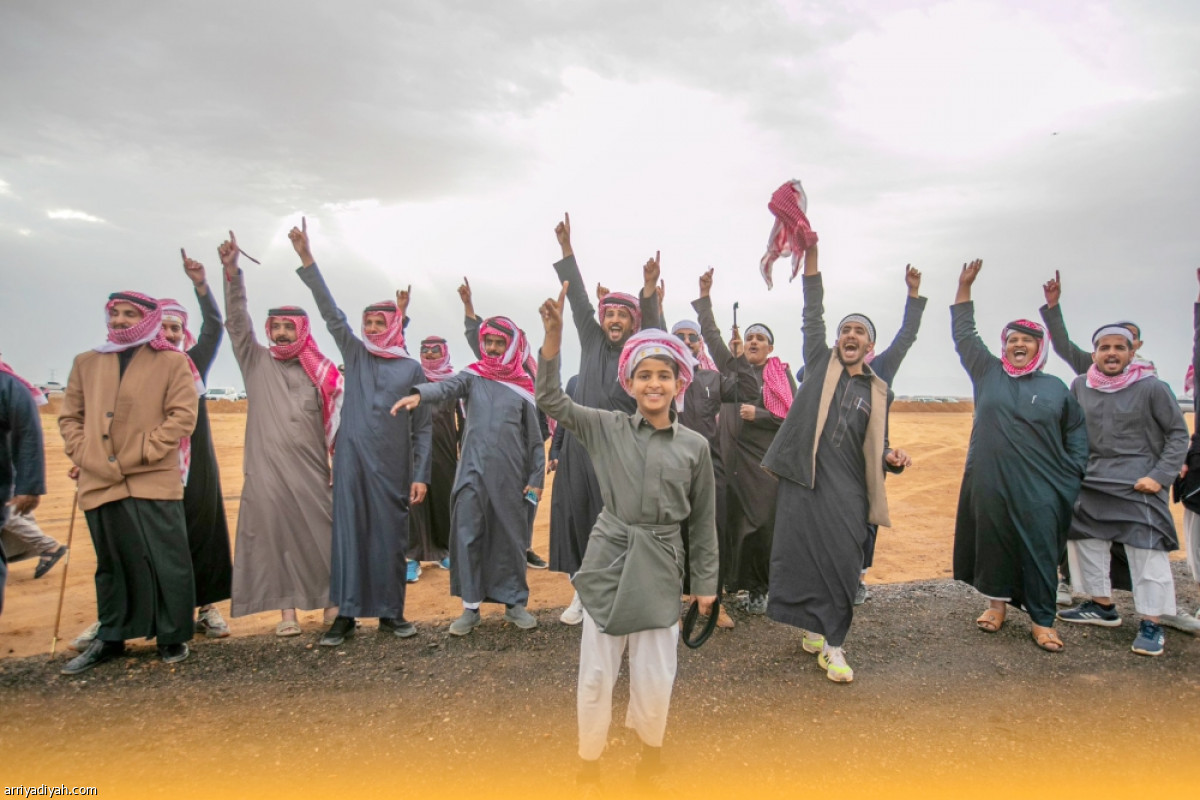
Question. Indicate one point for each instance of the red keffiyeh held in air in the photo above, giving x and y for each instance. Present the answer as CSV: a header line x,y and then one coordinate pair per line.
x,y
514,367
654,343
1036,331
390,343
1136,370
791,234
39,399
437,368
625,301
173,310
320,370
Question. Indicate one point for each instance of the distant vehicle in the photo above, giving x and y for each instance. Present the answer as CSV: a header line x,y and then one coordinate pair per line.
x,y
241,395
52,387
224,393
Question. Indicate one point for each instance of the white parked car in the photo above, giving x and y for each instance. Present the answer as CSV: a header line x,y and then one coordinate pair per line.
x,y
225,393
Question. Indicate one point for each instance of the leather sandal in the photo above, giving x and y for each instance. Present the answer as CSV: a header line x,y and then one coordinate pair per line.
x,y
1047,639
991,620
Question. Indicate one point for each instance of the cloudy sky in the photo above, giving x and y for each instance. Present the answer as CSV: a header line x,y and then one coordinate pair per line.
x,y
440,139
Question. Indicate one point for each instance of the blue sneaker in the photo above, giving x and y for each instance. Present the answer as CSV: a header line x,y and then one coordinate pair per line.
x,y
445,563
414,571
1150,639
1089,612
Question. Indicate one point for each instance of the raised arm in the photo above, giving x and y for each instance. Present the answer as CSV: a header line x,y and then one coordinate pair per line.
x,y
237,316
582,310
972,352
702,305
336,321
582,421
815,344
204,351
887,362
1077,358
648,300
472,322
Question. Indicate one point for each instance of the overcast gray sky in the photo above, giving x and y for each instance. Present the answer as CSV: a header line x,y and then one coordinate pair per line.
x,y
442,139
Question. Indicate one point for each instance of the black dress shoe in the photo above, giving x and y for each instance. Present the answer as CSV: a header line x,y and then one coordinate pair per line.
x,y
339,631
173,653
97,652
397,626
534,561
47,562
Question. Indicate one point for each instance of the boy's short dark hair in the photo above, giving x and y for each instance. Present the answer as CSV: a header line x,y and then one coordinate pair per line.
x,y
674,364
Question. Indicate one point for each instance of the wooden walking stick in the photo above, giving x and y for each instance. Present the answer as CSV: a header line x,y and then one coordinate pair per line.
x,y
62,591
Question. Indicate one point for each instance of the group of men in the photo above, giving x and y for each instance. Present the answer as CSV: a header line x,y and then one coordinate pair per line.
x,y
682,461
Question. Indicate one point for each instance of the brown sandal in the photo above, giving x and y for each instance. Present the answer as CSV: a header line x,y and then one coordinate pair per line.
x,y
1047,639
990,621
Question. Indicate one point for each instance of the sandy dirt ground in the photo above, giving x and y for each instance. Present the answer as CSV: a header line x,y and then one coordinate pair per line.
x,y
937,708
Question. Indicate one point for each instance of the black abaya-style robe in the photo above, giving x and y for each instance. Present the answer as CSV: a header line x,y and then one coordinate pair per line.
x,y
203,505
1025,463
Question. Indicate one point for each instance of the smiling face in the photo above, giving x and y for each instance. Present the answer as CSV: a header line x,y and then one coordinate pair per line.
x,y
692,339
123,316
654,384
853,343
374,323
283,331
1021,349
758,348
618,323
494,345
431,352
173,331
1112,354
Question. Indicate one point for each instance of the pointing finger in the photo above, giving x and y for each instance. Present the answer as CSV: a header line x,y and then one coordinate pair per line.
x,y
562,296
183,255
304,225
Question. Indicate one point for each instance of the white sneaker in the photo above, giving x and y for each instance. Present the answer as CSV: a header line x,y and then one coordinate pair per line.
x,y
81,642
212,624
574,613
1064,596
833,661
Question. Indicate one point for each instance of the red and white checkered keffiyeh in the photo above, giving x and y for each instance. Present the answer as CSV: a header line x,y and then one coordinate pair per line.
x,y
437,369
655,343
513,368
390,343
1189,381
38,398
625,301
777,391
791,234
1036,331
320,370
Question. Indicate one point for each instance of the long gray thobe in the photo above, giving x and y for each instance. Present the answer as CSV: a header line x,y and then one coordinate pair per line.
x,y
652,481
502,453
376,459
1133,433
281,558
